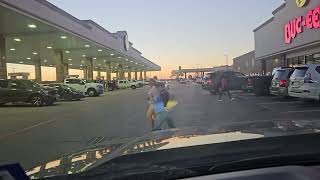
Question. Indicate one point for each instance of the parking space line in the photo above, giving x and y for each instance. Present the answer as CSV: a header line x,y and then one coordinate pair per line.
x,y
284,102
24,129
305,111
265,107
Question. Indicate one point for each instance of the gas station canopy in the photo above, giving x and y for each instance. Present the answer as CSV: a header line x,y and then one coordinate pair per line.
x,y
34,30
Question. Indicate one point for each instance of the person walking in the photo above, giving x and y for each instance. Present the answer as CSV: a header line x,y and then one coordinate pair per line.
x,y
152,94
161,110
224,88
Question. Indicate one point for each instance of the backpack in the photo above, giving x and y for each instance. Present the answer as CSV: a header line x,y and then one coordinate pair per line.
x,y
165,96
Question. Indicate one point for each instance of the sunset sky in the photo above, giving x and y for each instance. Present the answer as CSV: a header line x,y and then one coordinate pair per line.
x,y
190,33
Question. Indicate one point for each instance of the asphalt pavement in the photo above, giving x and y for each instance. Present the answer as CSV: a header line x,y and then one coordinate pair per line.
x,y
33,136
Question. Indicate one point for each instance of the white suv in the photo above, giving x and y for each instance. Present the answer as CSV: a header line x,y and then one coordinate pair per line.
x,y
89,88
305,82
123,84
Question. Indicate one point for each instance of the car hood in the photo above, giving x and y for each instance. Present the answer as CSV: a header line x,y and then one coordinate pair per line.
x,y
175,138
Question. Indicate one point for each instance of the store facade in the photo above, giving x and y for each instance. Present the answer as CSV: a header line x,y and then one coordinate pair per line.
x,y
291,37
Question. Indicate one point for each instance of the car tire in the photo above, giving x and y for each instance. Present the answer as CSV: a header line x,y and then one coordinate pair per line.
x,y
133,87
37,100
92,92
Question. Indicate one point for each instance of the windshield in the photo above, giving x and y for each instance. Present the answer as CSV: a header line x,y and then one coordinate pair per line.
x,y
143,77
31,84
278,74
299,72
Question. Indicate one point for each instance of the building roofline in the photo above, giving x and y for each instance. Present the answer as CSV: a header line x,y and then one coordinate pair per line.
x,y
244,54
270,19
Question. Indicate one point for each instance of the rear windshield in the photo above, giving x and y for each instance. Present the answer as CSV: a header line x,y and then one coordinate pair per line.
x,y
300,72
278,74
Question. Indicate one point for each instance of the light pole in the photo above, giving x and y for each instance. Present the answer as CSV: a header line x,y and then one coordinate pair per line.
x,y
226,55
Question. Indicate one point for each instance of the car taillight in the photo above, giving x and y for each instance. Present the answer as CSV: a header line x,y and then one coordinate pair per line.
x,y
283,83
210,81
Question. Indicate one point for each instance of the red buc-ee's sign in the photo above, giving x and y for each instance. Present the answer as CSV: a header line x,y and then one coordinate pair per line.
x,y
296,26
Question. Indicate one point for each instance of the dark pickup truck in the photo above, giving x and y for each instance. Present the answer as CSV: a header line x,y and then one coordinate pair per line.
x,y
260,85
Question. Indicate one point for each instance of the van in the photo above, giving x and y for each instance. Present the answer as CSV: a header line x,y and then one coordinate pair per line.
x,y
280,81
305,82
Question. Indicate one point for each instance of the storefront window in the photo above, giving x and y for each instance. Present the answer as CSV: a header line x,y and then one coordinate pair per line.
x,y
316,58
289,62
309,58
301,60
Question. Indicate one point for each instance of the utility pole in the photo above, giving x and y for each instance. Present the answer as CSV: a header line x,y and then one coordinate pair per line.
x,y
226,55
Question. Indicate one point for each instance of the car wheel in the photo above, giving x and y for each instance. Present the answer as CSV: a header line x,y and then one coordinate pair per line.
x,y
37,101
92,92
133,87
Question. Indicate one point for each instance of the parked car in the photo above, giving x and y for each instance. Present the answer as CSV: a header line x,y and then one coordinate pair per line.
x,y
87,87
305,82
123,84
67,93
261,85
165,84
112,85
280,81
236,79
247,85
138,84
26,91
183,81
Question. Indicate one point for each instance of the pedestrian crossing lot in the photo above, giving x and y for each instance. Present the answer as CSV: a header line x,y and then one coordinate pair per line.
x,y
285,107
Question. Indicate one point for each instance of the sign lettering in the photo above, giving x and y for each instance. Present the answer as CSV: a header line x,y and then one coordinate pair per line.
x,y
296,26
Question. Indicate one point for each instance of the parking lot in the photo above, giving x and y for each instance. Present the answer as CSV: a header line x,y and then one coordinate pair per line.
x,y
32,135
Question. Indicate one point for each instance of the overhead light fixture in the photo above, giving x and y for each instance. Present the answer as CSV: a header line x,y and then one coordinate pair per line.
x,y
99,64
67,52
69,59
131,61
17,39
49,47
63,37
82,61
83,55
94,58
86,45
111,54
21,62
45,60
70,64
81,65
28,58
127,59
99,50
119,57
34,53
50,65
104,60
12,49
32,26
142,65
136,63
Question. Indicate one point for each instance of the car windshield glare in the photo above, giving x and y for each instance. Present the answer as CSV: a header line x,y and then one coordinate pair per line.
x,y
299,72
278,74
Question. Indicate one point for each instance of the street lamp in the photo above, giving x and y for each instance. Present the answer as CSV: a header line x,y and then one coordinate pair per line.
x,y
226,55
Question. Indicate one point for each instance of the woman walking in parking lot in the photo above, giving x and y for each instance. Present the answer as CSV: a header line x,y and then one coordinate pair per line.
x,y
224,88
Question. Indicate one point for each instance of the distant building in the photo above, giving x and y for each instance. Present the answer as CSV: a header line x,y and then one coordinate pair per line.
x,y
247,64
